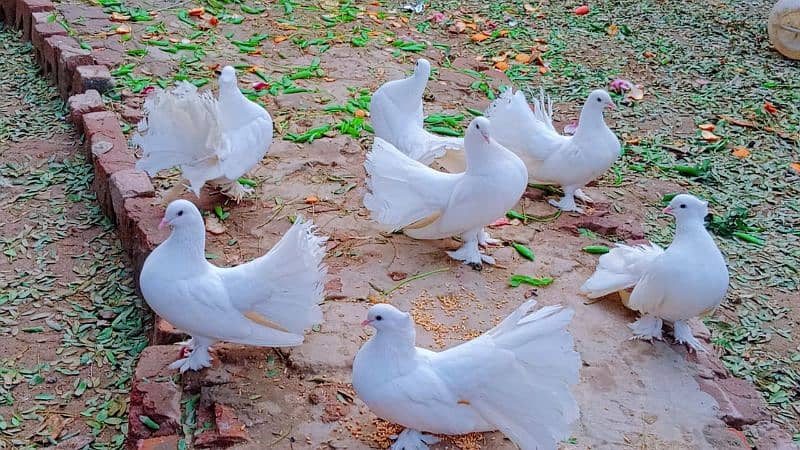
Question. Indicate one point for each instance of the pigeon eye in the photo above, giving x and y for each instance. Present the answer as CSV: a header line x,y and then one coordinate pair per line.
x,y
683,205
599,99
180,213
378,318
478,127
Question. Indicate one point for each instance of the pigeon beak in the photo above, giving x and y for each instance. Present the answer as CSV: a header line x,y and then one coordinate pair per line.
x,y
667,210
366,322
164,222
611,105
485,137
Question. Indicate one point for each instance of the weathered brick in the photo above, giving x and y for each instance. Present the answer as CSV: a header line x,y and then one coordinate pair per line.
x,y
49,55
154,394
158,443
108,149
139,231
92,77
108,57
228,430
40,32
739,403
70,57
80,104
23,13
165,333
128,184
7,15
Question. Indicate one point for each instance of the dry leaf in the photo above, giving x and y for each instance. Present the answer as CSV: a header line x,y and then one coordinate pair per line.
x,y
501,66
741,152
795,166
279,39
648,54
360,113
582,10
634,141
707,126
503,33
770,108
197,12
523,58
214,226
543,70
612,30
213,21
479,37
457,27
636,92
312,199
499,58
528,8
709,136
118,17
123,29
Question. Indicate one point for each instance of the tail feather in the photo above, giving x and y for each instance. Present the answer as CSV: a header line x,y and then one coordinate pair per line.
x,y
536,408
285,285
401,190
518,128
620,269
180,128
543,109
436,147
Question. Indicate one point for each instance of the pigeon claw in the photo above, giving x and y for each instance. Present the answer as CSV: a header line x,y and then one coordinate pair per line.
x,y
476,266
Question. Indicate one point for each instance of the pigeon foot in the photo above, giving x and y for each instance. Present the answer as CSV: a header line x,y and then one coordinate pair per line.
x,y
484,240
580,195
683,335
471,255
413,440
197,359
647,327
235,190
566,204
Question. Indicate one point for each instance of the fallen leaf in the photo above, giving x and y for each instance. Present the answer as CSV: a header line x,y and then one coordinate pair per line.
x,y
612,30
707,126
501,66
648,54
795,166
119,17
634,141
312,199
499,58
197,12
770,108
360,113
523,58
582,10
503,32
214,226
279,39
501,222
637,92
543,70
709,136
528,8
739,122
457,27
479,37
213,21
123,29
741,152
398,276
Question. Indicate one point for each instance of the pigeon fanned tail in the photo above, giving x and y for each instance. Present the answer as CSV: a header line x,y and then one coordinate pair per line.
x,y
621,268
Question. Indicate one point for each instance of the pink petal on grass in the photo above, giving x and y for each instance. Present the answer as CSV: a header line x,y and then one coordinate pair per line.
x,y
619,85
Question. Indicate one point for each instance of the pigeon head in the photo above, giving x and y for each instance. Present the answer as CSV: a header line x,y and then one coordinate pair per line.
x,y
479,129
685,206
385,317
180,214
422,69
227,77
599,100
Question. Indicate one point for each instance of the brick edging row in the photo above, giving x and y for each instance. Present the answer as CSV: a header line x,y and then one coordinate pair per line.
x,y
126,197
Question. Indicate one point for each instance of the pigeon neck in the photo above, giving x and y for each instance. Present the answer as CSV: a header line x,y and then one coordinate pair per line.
x,y
691,231
591,121
190,240
398,345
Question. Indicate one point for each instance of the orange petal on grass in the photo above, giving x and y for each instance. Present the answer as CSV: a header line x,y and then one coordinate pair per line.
x,y
770,108
360,113
709,136
795,166
741,152
311,199
707,126
501,66
523,58
479,37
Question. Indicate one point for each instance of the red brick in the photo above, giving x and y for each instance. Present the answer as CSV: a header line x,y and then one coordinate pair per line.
x,y
128,184
70,57
7,15
739,403
23,13
49,54
80,104
42,31
108,149
107,57
154,394
158,443
92,77
138,230
165,333
228,430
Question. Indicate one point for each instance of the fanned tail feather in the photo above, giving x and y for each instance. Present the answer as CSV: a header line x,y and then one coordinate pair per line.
x,y
534,410
543,109
620,269
518,128
180,128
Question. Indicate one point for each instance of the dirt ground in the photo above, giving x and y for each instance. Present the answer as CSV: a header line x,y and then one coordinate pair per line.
x,y
632,394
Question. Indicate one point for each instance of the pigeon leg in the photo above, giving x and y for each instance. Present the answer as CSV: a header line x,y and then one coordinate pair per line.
x,y
485,240
647,327
234,189
470,253
580,195
568,202
198,358
413,440
683,335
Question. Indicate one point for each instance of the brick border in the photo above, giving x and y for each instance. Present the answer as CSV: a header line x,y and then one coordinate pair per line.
x,y
125,196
